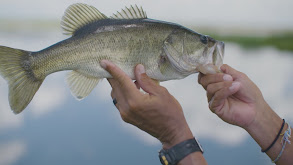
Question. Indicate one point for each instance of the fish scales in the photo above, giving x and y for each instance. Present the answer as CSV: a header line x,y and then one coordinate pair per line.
x,y
127,47
167,50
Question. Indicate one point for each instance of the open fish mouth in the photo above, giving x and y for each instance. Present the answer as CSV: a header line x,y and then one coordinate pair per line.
x,y
215,59
218,53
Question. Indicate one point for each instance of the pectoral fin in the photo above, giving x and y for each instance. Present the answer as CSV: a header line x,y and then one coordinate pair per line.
x,y
81,85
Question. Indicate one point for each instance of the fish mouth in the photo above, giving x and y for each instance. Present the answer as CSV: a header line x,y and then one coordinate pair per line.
x,y
215,59
218,53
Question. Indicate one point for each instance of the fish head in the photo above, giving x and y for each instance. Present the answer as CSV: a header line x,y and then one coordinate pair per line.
x,y
190,52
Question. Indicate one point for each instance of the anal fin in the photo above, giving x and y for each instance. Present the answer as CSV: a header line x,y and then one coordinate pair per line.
x,y
81,85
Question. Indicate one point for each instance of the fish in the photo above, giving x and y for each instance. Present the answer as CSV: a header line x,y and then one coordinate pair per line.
x,y
167,50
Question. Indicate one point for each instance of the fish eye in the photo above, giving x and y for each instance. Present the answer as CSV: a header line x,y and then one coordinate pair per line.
x,y
204,39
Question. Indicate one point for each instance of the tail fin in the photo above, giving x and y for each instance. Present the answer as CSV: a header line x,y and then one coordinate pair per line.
x,y
15,67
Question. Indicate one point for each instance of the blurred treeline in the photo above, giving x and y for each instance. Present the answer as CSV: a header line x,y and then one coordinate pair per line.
x,y
280,41
250,39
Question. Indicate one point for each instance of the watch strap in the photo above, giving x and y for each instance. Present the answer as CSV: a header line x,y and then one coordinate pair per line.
x,y
173,155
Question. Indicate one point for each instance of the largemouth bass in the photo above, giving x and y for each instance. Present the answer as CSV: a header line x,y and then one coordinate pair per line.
x,y
167,50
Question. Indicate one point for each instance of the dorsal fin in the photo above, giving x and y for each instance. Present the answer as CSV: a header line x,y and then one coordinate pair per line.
x,y
130,13
78,15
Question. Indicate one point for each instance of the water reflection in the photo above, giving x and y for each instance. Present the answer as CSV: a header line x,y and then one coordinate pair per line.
x,y
55,111
11,151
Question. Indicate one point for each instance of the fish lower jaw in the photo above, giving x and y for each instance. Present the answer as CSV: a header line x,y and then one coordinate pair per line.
x,y
208,69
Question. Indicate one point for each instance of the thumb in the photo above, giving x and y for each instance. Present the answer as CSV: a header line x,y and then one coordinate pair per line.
x,y
145,82
231,71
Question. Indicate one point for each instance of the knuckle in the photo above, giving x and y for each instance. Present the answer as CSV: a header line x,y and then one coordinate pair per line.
x,y
202,81
219,77
120,78
209,88
199,77
124,116
225,65
243,75
164,90
133,105
112,93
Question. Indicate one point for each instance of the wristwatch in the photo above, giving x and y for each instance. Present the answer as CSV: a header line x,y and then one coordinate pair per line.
x,y
176,153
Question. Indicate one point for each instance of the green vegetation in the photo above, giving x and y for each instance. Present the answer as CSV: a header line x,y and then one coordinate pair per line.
x,y
279,41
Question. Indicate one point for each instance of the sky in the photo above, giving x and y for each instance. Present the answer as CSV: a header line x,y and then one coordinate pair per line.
x,y
260,14
54,112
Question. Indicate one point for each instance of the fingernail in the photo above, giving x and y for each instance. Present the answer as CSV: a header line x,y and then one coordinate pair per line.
x,y
140,69
103,64
227,77
234,86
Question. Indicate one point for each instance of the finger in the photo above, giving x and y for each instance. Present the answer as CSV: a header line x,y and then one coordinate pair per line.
x,y
231,71
125,83
112,94
200,75
145,82
112,82
137,85
115,87
214,78
215,87
218,100
118,94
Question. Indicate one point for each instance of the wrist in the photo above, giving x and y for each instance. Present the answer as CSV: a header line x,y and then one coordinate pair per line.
x,y
178,136
265,126
263,117
262,113
186,152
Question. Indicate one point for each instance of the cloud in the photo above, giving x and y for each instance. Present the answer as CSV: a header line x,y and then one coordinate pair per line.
x,y
51,95
7,118
11,152
141,135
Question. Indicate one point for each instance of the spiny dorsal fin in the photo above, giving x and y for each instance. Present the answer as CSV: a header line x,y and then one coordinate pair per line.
x,y
78,15
130,13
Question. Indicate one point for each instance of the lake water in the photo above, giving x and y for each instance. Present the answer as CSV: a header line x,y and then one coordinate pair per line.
x,y
57,129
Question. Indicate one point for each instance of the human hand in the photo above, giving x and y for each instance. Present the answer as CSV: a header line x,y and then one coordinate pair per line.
x,y
233,96
237,100
156,112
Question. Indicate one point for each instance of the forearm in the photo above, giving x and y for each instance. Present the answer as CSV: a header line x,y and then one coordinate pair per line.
x,y
265,129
